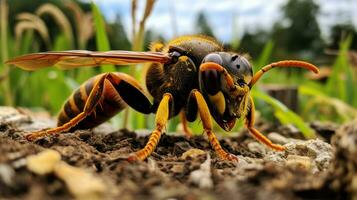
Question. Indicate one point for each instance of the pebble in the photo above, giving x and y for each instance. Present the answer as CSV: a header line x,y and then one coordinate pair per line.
x,y
319,151
44,162
202,176
256,147
299,162
178,168
6,174
12,115
192,153
81,183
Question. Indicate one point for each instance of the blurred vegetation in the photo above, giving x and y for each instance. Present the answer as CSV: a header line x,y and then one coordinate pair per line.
x,y
203,26
43,25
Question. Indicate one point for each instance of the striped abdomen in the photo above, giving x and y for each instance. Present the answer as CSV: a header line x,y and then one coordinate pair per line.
x,y
109,105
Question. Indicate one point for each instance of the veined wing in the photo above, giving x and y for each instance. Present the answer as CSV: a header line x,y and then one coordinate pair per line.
x,y
83,58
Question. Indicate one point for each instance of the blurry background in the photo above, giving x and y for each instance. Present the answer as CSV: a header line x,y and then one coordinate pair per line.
x,y
321,32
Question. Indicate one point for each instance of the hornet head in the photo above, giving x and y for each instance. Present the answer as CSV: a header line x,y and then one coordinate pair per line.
x,y
223,80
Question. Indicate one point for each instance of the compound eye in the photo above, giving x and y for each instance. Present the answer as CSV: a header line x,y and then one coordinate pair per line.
x,y
213,57
241,64
244,63
211,81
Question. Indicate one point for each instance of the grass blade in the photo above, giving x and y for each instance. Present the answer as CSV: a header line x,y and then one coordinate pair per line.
x,y
343,111
265,55
101,35
341,83
284,114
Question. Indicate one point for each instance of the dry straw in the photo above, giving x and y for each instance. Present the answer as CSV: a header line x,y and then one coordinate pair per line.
x,y
84,24
4,77
138,40
28,21
59,17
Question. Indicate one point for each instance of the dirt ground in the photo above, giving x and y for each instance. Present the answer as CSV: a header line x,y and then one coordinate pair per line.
x,y
308,169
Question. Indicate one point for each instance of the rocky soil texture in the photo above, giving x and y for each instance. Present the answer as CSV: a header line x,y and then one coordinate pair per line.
x,y
90,164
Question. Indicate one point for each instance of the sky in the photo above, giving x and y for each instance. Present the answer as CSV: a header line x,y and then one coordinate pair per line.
x,y
227,17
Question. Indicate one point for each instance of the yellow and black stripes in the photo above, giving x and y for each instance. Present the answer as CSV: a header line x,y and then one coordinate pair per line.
x,y
76,102
98,100
109,104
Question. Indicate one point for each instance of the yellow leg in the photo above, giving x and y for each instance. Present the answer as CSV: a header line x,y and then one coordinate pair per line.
x,y
186,129
257,135
162,116
207,125
89,107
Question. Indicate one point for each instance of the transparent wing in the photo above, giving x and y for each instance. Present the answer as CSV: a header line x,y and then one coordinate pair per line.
x,y
83,58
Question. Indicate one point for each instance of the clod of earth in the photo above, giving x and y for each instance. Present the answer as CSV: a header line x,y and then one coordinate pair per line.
x,y
343,173
181,168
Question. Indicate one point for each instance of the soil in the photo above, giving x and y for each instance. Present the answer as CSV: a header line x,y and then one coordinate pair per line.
x,y
306,170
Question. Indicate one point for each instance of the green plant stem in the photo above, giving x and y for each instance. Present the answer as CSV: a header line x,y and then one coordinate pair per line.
x,y
137,45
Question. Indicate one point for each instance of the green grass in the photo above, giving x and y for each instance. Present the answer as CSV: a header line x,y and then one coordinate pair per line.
x,y
342,82
101,38
284,114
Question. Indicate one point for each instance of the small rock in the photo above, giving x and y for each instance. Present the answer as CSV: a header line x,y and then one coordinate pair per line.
x,y
319,151
299,162
343,174
276,156
241,162
192,153
81,183
12,115
152,165
22,162
256,147
44,162
277,138
6,174
254,167
202,176
178,169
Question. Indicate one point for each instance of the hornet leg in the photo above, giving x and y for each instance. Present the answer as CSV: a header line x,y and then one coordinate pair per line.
x,y
257,135
91,103
108,87
207,125
184,122
162,115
